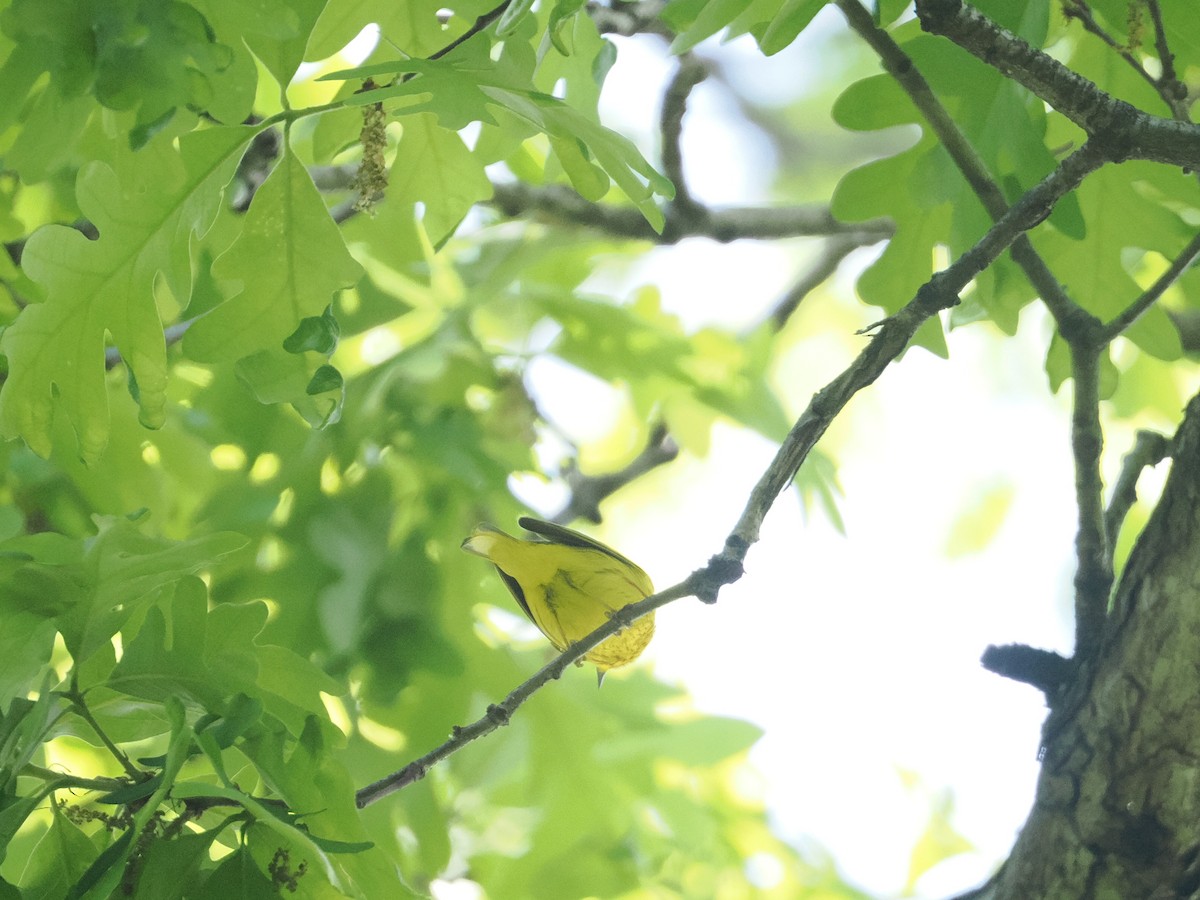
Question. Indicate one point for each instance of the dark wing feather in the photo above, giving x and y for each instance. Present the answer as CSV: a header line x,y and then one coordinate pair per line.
x,y
558,534
515,588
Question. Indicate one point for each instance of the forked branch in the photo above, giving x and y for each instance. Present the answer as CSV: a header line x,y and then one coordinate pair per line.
x,y
1126,131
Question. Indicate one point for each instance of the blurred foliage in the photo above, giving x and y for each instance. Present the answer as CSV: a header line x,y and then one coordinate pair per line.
x,y
229,565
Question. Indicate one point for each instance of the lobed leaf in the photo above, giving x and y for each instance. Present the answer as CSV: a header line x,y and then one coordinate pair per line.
x,y
147,211
284,267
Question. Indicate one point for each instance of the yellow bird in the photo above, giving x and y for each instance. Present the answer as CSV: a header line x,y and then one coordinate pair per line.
x,y
569,585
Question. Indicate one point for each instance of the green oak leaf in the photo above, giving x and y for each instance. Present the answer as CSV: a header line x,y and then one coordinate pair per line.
x,y
434,167
283,51
146,210
313,388
198,653
412,26
287,263
122,572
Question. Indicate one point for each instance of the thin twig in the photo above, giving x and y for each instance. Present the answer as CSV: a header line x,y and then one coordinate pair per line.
x,y
689,73
481,23
1173,91
836,249
1081,12
1166,58
500,713
1149,449
1131,313
1166,85
588,491
888,342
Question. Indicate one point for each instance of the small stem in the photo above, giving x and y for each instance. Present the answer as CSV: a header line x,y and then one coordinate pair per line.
x,y
75,697
62,780
1131,313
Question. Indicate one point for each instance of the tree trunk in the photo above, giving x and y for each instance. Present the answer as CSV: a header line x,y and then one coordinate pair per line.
x,y
1117,811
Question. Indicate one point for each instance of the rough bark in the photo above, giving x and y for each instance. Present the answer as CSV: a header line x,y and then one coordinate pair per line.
x,y
1117,811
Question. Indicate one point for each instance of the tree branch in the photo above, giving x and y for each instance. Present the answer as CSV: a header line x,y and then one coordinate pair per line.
x,y
479,25
1081,11
1097,527
588,491
628,19
562,204
689,73
836,249
893,335
888,342
969,163
1044,669
1167,84
1174,91
1122,129
704,580
1093,573
1149,449
1151,295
